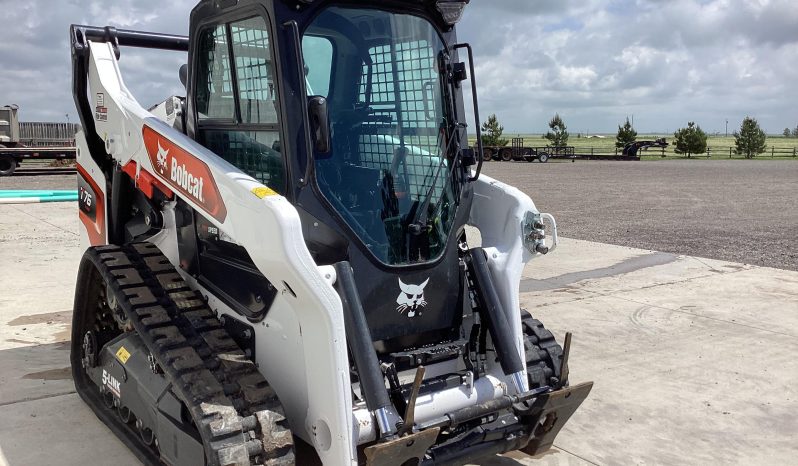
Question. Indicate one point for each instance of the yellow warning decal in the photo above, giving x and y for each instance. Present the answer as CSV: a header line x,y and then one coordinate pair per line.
x,y
122,354
263,191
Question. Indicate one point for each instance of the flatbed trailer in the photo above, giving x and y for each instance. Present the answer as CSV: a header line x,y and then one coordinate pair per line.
x,y
517,151
12,157
21,141
65,152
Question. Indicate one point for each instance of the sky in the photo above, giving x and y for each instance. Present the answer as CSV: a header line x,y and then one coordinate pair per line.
x,y
661,63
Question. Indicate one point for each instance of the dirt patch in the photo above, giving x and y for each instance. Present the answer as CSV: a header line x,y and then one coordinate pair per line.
x,y
627,266
61,317
23,342
64,373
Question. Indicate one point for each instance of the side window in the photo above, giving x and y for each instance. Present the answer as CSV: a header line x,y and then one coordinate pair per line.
x,y
318,53
242,94
254,71
214,85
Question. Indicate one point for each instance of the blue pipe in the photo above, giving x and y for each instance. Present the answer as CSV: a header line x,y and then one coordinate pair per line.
x,y
29,196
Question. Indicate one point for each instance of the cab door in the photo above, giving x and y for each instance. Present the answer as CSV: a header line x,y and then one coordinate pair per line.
x,y
235,98
234,111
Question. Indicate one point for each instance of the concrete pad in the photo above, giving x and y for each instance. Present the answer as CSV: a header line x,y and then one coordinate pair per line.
x,y
58,430
35,371
36,221
39,255
578,255
760,298
693,360
553,457
669,383
27,321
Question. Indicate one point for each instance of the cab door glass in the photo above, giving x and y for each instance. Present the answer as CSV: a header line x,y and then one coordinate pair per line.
x,y
318,53
237,99
254,71
214,95
387,174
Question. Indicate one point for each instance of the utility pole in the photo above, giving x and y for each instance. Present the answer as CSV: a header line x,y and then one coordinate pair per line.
x,y
727,127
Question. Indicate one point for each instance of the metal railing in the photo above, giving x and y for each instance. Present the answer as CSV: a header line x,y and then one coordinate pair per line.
x,y
41,134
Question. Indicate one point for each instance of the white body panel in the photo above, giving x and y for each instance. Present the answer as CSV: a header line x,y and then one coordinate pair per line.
x,y
498,212
303,337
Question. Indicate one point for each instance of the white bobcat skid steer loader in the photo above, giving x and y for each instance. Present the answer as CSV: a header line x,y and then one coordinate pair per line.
x,y
277,268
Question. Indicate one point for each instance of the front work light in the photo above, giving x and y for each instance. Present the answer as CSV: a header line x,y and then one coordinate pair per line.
x,y
451,11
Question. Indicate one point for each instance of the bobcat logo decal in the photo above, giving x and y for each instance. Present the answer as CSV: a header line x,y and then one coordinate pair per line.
x,y
162,154
411,299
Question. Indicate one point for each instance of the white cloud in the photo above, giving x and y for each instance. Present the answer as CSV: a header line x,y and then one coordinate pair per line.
x,y
666,62
593,61
35,54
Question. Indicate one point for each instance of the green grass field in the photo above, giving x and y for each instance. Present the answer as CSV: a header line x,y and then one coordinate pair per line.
x,y
778,146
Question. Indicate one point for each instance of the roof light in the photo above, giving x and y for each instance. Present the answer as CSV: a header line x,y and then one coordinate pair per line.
x,y
451,11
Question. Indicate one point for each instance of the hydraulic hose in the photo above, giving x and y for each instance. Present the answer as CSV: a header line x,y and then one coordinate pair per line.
x,y
492,313
358,337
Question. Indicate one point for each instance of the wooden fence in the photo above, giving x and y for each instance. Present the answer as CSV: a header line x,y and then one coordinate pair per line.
x,y
771,151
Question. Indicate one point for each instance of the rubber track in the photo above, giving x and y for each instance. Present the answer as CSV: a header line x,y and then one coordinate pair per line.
x,y
236,412
543,353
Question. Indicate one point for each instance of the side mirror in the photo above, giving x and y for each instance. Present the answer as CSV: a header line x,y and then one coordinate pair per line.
x,y
459,73
467,157
183,73
319,123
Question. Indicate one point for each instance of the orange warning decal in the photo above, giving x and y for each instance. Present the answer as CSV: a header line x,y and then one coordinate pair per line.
x,y
185,173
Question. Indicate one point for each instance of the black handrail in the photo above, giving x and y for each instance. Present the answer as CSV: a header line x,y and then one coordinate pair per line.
x,y
480,156
300,64
131,38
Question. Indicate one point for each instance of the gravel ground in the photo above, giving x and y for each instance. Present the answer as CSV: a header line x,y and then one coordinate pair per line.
x,y
738,210
43,181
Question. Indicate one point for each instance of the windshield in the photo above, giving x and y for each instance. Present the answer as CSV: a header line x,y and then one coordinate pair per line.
x,y
388,174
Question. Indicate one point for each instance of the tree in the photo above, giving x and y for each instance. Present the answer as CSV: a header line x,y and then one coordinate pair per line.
x,y
795,132
690,140
750,140
558,136
626,134
492,132
787,133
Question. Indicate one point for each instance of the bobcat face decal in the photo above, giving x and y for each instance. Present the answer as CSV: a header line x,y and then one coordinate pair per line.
x,y
161,158
411,298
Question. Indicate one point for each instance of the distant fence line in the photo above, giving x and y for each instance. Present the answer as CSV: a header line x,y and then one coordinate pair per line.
x,y
773,151
663,152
